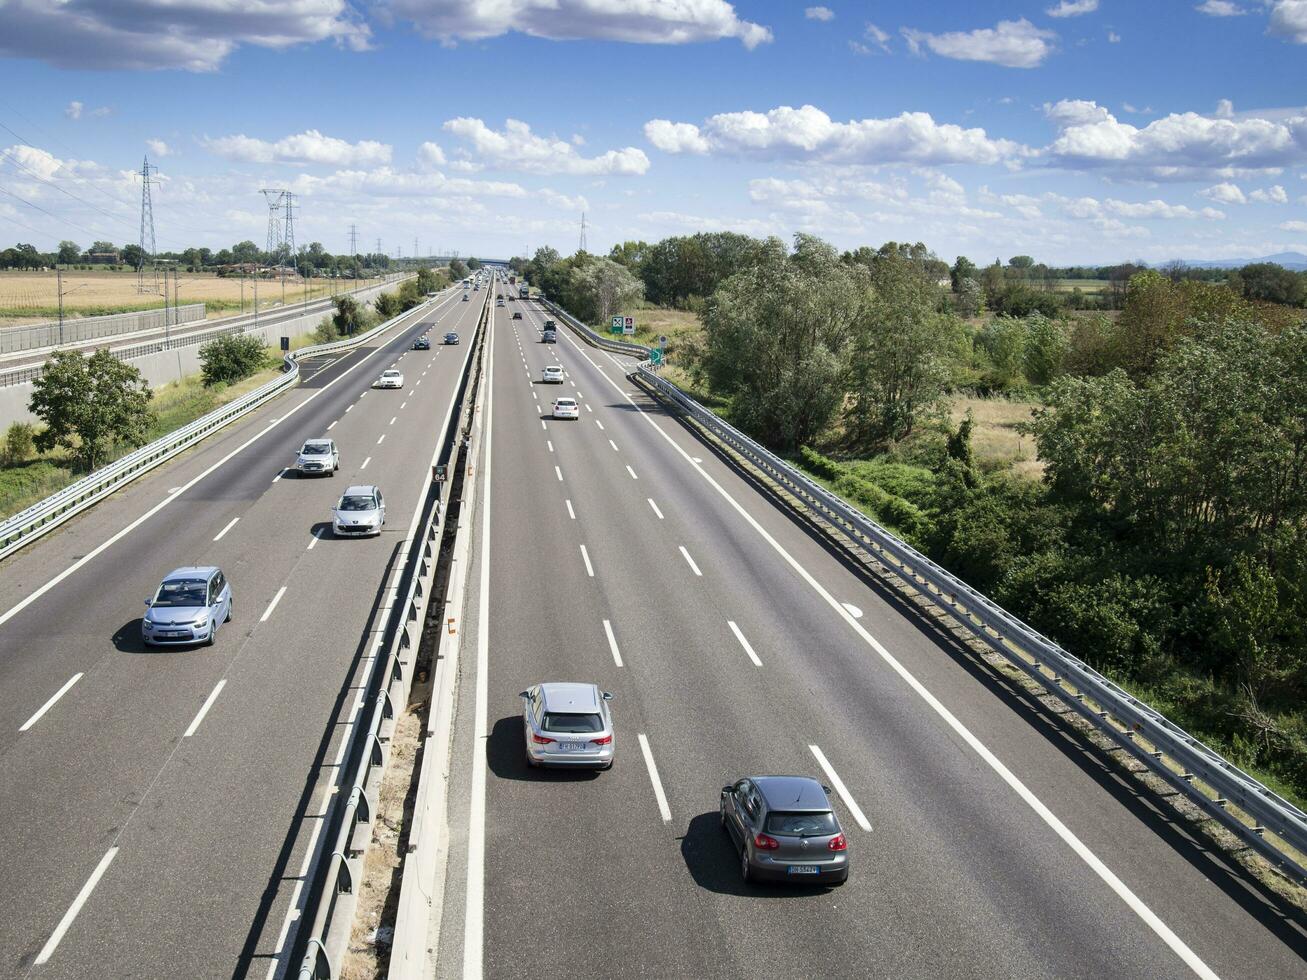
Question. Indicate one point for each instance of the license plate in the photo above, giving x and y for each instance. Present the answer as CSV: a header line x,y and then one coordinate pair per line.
x,y
802,869
573,746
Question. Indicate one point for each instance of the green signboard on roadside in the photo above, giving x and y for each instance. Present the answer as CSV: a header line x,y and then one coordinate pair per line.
x,y
618,325
656,357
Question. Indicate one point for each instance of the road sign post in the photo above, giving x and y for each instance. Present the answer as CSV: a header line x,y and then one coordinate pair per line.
x,y
617,325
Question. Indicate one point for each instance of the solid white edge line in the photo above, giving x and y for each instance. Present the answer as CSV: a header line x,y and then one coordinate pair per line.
x,y
570,513
748,648
612,642
655,508
204,708
859,817
51,703
1051,820
693,567
52,943
272,605
663,809
585,555
230,524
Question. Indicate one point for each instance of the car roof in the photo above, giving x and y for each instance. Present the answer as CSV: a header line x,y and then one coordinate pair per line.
x,y
792,793
570,697
360,491
190,572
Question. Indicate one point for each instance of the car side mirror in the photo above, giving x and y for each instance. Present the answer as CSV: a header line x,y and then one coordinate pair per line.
x,y
149,602
827,789
728,789
525,694
607,696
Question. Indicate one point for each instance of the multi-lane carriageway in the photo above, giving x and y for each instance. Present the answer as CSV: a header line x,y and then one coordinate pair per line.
x,y
150,812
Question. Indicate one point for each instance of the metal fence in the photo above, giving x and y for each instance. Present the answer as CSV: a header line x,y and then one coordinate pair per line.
x,y
1260,818
76,330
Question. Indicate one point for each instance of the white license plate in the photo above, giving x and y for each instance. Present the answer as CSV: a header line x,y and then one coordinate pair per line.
x,y
802,869
573,746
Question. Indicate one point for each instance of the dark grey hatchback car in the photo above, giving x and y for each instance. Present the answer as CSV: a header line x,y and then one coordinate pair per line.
x,y
785,830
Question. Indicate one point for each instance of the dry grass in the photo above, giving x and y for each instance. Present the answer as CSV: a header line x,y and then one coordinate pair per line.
x,y
680,327
994,439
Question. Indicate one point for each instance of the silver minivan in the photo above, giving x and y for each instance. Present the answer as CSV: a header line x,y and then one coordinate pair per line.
x,y
188,607
568,725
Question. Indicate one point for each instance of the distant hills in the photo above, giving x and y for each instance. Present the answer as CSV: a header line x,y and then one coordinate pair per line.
x,y
1290,260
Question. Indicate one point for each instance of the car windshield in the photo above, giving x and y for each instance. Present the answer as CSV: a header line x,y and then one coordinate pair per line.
x,y
357,503
390,374
182,592
316,448
558,721
802,824
565,403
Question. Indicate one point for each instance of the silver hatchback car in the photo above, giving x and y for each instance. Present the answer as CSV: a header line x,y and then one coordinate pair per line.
x,y
785,830
188,607
568,725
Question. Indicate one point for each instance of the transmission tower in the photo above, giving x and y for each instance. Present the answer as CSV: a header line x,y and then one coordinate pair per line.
x,y
275,199
353,240
379,251
288,227
582,231
147,233
415,248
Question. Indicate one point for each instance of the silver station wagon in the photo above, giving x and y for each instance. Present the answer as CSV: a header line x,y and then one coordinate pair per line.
x,y
568,725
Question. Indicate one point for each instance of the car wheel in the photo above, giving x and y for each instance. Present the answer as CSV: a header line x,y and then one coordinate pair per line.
x,y
213,634
721,812
229,607
746,870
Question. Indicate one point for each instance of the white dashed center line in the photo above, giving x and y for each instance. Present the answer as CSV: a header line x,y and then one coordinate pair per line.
x,y
859,817
570,513
272,605
51,703
693,567
744,643
632,472
585,555
655,508
663,809
230,524
612,642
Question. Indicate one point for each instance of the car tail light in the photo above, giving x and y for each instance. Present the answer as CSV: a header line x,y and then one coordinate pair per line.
x,y
838,843
606,740
766,843
541,740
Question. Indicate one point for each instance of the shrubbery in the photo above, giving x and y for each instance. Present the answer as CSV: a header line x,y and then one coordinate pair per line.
x,y
233,358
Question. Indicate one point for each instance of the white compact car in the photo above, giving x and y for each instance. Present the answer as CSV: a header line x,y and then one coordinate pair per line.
x,y
317,457
552,375
391,379
360,511
566,408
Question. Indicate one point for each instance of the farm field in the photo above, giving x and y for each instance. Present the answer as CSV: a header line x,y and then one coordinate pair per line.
x,y
33,296
1084,285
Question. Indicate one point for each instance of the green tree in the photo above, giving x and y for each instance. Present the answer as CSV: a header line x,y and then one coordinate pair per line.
x,y
388,305
103,246
1022,262
962,270
457,269
1272,283
245,252
970,298
226,360
1045,349
89,405
18,443
348,316
601,288
69,252
473,264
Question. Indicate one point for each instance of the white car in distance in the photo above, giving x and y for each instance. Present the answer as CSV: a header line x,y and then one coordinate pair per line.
x,y
552,375
361,510
391,379
317,457
566,408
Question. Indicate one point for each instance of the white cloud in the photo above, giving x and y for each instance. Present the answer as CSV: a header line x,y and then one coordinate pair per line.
x,y
158,148
1113,37
1181,146
1225,193
517,148
1289,20
430,155
1159,209
1224,109
309,146
1293,226
74,110
1072,8
562,202
819,13
1220,8
1270,195
634,21
876,36
196,35
1136,110
807,133
1010,43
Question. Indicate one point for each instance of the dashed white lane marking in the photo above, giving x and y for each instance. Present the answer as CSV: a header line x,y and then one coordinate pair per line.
x,y
332,426
663,809
314,538
859,817
403,405
570,512
550,444
585,555
612,642
631,471
543,426
204,708
392,420
381,438
559,473
599,422
365,463
272,605
655,508
52,943
613,444
280,475
539,409
51,703
744,643
230,524
854,611
693,567
588,408
349,408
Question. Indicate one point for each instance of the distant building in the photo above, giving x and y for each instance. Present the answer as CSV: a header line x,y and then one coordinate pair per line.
x,y
104,258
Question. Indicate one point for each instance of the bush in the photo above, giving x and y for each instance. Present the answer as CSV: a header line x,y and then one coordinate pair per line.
x,y
18,444
881,506
230,359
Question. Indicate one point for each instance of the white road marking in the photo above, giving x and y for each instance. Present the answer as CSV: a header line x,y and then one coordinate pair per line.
x,y
614,445
204,708
659,795
314,538
539,409
599,422
549,442
392,420
560,474
631,471
693,567
52,943
588,408
349,408
365,463
543,426
859,817
51,703
381,438
585,555
570,513
332,426
854,611
272,605
280,474
612,642
655,507
230,524
1050,819
744,643
403,405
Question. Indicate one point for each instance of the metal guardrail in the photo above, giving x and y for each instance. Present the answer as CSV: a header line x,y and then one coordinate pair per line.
x,y
1238,802
45,516
387,683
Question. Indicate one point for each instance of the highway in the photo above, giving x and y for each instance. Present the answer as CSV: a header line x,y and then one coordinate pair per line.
x,y
158,805
987,838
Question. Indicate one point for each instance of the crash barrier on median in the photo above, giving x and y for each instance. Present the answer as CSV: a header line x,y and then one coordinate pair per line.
x,y
73,330
45,516
334,879
1261,819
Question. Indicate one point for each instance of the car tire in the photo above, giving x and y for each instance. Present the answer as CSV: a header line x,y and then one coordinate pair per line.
x,y
229,608
746,870
213,634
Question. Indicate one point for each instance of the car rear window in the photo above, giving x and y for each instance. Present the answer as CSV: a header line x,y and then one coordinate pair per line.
x,y
557,721
802,824
188,592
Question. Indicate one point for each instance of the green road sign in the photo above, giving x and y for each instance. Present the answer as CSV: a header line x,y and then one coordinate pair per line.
x,y
655,357
618,325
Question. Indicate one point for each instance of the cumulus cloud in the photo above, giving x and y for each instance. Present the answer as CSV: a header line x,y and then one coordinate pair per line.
x,y
1270,195
1072,8
430,155
1220,8
74,110
1225,193
1289,20
1159,209
634,21
1010,43
517,148
309,146
158,148
876,36
819,13
1181,146
807,133
1293,226
196,35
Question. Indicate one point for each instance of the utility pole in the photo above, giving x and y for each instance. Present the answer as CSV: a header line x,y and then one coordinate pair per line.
x,y
582,231
59,284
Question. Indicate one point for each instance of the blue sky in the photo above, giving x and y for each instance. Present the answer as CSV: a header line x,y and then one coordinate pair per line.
x,y
1071,130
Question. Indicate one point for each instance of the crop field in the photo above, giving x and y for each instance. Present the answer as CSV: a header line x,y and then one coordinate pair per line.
x,y
1084,285
33,296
